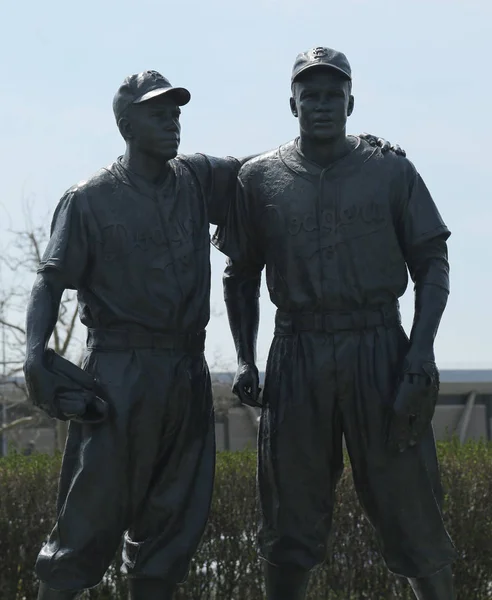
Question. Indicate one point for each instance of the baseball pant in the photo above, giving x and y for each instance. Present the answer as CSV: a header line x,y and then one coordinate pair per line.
x,y
322,384
146,475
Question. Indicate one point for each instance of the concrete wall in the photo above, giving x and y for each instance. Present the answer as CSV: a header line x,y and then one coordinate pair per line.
x,y
447,419
450,411
237,430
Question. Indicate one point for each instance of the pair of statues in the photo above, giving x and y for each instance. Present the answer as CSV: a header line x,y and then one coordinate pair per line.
x,y
337,221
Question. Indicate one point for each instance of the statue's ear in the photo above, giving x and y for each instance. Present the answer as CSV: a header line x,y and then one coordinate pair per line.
x,y
350,108
125,128
293,107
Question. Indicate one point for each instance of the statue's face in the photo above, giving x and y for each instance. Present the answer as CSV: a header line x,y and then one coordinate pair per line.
x,y
153,127
322,102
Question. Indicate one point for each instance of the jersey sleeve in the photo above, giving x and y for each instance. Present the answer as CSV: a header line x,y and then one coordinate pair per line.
x,y
67,251
238,237
428,263
218,181
419,219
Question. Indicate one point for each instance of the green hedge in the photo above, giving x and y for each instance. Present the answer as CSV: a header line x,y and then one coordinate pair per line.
x,y
226,566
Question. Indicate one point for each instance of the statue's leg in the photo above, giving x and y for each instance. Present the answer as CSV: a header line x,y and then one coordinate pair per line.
x,y
106,473
300,461
46,593
172,488
92,508
286,582
150,589
400,492
435,587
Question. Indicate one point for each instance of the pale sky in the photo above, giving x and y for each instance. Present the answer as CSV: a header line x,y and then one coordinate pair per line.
x,y
421,78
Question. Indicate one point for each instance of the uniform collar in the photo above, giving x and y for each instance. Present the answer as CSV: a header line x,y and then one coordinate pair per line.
x,y
294,160
138,183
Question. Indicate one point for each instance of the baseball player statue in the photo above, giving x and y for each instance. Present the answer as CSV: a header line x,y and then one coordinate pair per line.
x,y
337,223
139,462
134,242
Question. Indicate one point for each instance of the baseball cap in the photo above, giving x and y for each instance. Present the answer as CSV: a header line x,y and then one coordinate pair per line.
x,y
321,57
144,86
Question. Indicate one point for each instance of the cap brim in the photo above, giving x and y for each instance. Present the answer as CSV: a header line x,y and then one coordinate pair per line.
x,y
317,66
182,95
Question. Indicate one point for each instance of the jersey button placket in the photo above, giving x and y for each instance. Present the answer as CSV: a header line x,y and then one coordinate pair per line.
x,y
327,212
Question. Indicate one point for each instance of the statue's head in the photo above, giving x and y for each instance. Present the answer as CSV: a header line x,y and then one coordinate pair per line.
x,y
321,93
147,110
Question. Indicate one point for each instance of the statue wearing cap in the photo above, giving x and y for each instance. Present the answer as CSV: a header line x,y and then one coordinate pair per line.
x,y
134,242
143,87
338,224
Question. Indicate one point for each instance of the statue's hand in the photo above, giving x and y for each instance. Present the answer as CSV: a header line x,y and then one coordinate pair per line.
x,y
382,143
58,397
415,403
246,384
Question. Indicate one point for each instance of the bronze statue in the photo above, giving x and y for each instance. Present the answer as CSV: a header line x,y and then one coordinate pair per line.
x,y
134,242
336,223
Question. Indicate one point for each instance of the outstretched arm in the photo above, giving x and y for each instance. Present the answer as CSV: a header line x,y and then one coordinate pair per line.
x,y
218,179
385,146
373,140
245,159
219,176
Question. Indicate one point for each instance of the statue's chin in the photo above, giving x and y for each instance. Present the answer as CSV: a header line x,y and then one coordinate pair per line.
x,y
170,153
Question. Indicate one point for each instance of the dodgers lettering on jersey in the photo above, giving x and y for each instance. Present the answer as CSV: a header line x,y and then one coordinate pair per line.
x,y
139,254
331,239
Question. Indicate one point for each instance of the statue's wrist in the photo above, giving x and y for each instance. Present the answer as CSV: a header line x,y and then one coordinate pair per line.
x,y
34,357
243,361
416,358
421,349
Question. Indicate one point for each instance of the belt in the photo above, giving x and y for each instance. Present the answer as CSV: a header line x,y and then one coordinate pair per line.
x,y
120,339
333,322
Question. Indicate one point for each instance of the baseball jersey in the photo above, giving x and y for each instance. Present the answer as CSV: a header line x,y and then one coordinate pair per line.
x,y
332,239
138,254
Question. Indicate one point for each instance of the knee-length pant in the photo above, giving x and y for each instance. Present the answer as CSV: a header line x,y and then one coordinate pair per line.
x,y
146,475
320,387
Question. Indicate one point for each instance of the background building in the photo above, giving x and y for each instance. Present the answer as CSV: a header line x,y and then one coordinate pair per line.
x,y
464,409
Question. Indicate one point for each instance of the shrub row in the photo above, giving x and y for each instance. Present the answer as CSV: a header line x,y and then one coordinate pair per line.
x,y
226,566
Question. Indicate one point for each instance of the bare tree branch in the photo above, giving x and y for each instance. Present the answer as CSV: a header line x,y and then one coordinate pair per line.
x,y
19,260
35,245
56,338
12,326
69,331
18,422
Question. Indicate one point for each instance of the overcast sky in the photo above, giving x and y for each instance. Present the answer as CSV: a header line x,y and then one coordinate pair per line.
x,y
422,78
